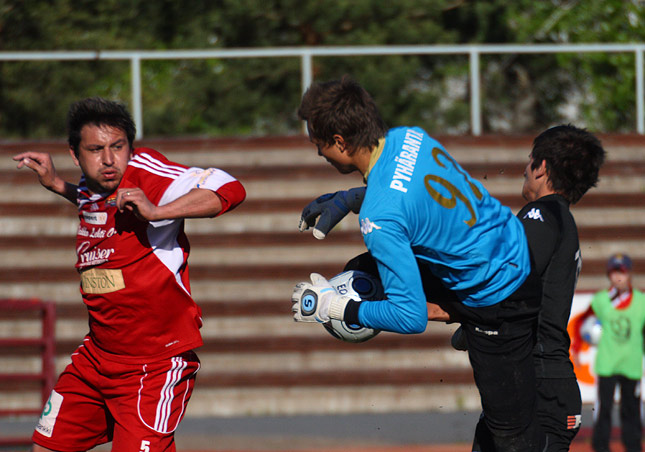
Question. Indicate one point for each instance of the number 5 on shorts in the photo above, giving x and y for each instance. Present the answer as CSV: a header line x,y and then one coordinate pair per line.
x,y
145,446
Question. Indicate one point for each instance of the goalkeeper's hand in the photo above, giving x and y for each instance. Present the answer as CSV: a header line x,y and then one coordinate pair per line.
x,y
318,301
331,208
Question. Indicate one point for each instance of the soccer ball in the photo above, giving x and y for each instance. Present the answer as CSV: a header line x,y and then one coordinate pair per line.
x,y
359,286
590,330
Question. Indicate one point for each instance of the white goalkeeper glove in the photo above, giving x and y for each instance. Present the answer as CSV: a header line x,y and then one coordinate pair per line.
x,y
318,301
331,208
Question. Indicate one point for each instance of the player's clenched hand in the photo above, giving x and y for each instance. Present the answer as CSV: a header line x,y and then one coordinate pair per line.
x,y
136,201
330,209
42,164
317,301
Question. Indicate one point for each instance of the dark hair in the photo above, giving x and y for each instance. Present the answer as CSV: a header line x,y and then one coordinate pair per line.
x,y
99,112
573,159
342,107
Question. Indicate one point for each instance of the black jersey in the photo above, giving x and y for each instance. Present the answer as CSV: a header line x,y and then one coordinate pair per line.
x,y
553,240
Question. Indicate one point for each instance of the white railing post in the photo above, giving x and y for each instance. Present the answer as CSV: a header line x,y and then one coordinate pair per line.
x,y
306,68
640,92
137,108
475,96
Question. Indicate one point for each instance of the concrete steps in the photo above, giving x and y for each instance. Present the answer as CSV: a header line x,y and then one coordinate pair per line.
x,y
244,265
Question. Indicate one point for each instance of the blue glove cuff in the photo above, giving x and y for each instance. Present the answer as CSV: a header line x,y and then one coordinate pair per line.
x,y
354,198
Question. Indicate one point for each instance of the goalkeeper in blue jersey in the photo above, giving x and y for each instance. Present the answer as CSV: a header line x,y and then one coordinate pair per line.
x,y
420,208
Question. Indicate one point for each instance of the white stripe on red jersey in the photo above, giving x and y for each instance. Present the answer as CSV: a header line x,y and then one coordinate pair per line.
x,y
151,165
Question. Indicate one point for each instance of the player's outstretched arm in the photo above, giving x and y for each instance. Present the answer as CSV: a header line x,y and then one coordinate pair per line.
x,y
330,209
42,164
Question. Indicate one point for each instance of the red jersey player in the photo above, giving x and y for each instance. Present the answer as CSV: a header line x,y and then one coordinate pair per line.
x,y
131,379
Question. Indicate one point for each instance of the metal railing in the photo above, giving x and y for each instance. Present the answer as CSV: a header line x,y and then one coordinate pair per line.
x,y
306,55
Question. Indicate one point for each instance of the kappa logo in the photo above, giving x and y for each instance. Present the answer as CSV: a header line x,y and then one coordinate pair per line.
x,y
487,332
367,226
535,214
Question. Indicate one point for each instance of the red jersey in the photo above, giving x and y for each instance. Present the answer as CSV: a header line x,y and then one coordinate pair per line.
x,y
134,273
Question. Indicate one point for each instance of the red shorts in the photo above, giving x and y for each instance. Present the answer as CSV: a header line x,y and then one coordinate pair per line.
x,y
136,406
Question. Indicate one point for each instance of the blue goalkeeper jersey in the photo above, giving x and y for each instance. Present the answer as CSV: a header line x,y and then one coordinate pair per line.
x,y
420,203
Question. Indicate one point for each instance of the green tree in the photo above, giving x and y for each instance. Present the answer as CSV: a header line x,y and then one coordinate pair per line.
x,y
594,90
521,93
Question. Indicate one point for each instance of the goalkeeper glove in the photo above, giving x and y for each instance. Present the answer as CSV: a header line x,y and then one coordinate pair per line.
x,y
331,208
318,301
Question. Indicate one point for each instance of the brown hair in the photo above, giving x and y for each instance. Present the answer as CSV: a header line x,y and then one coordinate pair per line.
x,y
573,159
99,112
345,108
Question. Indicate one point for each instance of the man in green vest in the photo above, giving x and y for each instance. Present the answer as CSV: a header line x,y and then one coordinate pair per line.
x,y
619,359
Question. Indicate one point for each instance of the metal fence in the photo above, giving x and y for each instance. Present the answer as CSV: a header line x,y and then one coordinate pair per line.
x,y
306,55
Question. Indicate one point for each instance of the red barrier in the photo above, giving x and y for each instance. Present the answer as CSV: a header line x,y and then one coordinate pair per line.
x,y
44,346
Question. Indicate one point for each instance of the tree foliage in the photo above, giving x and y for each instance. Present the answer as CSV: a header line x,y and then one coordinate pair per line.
x,y
521,93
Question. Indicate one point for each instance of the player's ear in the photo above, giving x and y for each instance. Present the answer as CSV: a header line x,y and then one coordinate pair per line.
x,y
74,157
541,170
340,142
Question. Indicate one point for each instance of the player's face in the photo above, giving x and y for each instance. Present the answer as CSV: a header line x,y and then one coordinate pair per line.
x,y
103,156
336,154
620,280
531,185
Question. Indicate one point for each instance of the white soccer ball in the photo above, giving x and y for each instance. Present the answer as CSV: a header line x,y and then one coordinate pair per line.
x,y
591,330
359,286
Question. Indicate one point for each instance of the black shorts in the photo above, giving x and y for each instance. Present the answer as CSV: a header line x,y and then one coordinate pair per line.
x,y
559,408
501,339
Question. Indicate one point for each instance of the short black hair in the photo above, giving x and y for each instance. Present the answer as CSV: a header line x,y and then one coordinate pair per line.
x,y
573,159
99,112
342,107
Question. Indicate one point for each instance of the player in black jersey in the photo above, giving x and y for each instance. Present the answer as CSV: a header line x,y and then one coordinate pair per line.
x,y
563,165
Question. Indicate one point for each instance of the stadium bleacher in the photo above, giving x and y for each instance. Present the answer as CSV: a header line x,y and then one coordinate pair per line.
x,y
255,360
